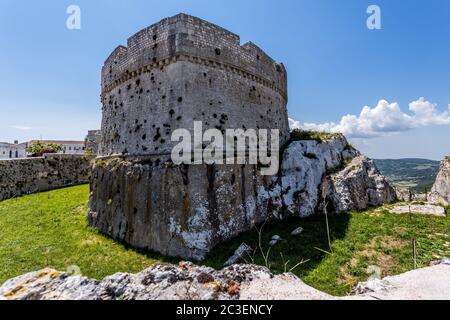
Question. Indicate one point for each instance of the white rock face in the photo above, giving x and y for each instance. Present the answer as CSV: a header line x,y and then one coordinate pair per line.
x,y
353,181
304,164
358,186
440,193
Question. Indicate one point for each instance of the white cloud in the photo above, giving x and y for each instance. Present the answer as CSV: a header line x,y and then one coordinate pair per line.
x,y
23,128
383,119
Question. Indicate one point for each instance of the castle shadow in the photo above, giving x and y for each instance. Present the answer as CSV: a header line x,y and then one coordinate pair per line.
x,y
311,246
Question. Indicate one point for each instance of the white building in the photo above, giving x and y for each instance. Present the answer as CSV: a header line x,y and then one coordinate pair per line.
x,y
12,150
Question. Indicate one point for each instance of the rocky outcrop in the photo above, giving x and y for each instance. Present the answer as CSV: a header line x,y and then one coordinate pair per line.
x,y
303,166
311,169
190,282
358,186
440,192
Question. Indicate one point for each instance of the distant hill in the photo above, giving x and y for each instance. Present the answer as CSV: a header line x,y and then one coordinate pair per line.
x,y
417,174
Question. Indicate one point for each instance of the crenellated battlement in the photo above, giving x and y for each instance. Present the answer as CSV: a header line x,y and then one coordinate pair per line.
x,y
183,37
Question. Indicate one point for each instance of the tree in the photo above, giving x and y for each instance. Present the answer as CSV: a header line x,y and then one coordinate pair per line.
x,y
38,148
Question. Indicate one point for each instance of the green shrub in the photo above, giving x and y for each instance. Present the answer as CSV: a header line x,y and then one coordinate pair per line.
x,y
38,148
299,134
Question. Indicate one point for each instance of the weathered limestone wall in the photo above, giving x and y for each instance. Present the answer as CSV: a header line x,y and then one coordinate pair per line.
x,y
176,210
30,175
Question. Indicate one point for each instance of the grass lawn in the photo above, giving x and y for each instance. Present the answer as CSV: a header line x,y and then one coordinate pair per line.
x,y
49,229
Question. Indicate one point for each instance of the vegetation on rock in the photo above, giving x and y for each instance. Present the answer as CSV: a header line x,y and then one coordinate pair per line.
x,y
39,148
299,134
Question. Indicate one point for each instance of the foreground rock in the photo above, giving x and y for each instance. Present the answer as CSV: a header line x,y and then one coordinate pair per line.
x,y
163,282
190,282
432,283
440,192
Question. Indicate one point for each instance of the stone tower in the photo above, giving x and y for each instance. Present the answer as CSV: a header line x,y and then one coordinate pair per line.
x,y
177,71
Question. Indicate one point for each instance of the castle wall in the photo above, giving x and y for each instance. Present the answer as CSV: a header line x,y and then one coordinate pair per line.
x,y
176,210
175,72
172,74
30,175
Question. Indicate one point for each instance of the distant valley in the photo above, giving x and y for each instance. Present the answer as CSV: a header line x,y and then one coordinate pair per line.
x,y
417,174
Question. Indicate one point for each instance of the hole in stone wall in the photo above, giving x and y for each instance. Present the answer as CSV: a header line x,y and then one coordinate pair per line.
x,y
217,51
157,135
180,99
171,112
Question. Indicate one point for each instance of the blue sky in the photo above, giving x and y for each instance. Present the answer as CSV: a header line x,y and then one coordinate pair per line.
x,y
50,79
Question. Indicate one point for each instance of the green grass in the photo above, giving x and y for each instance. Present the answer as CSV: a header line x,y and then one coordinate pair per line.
x,y
359,240
49,230
299,134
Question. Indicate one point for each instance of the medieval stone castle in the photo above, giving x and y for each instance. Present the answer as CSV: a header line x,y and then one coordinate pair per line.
x,y
183,69
177,71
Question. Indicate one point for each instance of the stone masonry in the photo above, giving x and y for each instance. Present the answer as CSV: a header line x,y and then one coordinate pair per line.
x,y
177,71
24,176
